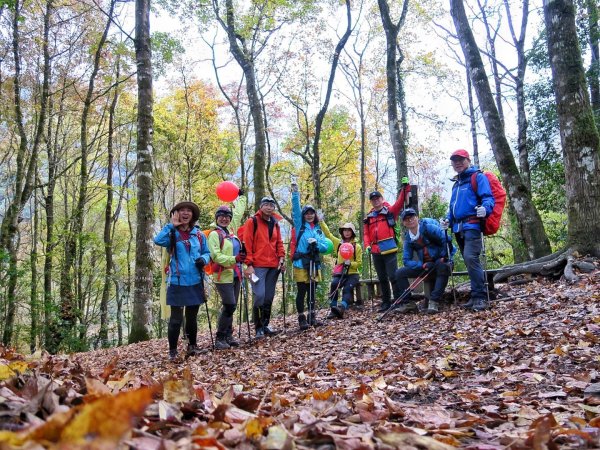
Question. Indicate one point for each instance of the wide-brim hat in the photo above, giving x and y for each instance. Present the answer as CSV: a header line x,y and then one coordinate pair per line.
x,y
191,205
348,226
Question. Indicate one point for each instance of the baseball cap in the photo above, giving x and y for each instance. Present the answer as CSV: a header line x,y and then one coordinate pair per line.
x,y
407,212
460,153
374,194
267,200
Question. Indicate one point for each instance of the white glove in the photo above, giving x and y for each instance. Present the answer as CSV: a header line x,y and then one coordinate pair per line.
x,y
294,187
311,240
480,211
444,224
320,215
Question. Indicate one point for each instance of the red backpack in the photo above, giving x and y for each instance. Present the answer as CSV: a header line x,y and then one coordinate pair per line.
x,y
492,222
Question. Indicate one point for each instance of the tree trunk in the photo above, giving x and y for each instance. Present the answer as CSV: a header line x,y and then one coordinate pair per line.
x,y
594,72
34,305
108,248
391,67
530,222
578,132
472,118
316,166
245,58
26,160
141,320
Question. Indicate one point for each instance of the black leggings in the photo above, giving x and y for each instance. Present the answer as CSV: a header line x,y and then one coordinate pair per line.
x,y
302,290
175,321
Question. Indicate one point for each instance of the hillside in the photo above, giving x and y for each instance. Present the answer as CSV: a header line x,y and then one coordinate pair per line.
x,y
525,374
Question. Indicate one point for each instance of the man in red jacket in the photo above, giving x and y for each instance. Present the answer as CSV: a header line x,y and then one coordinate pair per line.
x,y
380,239
264,261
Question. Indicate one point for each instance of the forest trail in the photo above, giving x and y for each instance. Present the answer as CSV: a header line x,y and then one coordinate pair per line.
x,y
525,374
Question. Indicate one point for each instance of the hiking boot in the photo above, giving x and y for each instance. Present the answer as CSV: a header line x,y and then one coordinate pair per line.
x,y
232,341
302,322
338,311
384,307
480,304
222,344
193,350
433,307
331,314
405,308
269,331
423,306
312,320
260,333
172,355
469,304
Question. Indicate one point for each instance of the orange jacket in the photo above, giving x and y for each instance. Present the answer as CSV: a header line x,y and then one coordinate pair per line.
x,y
263,249
376,226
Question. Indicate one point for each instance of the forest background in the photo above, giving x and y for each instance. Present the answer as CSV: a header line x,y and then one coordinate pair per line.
x,y
343,97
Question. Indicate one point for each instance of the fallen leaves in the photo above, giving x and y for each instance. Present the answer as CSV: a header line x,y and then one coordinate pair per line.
x,y
524,375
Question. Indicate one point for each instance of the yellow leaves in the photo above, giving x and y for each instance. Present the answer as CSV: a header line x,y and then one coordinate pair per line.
x,y
109,417
322,395
104,420
12,368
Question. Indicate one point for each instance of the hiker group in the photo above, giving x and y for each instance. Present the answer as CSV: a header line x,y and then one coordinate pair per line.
x,y
257,252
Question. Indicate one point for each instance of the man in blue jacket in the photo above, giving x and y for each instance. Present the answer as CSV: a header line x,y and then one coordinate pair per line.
x,y
425,252
467,211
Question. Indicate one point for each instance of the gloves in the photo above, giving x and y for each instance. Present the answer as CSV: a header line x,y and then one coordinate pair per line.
x,y
444,224
240,258
294,187
404,181
368,249
241,191
200,264
480,211
311,241
427,265
347,262
320,215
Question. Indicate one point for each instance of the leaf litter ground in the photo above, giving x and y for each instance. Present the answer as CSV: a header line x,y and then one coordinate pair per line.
x,y
523,375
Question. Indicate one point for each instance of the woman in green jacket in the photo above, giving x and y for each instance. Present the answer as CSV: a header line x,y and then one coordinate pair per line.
x,y
227,256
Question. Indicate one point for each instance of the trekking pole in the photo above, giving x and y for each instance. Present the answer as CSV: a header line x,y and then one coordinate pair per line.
x,y
245,300
370,275
283,298
451,266
407,291
311,268
485,275
212,340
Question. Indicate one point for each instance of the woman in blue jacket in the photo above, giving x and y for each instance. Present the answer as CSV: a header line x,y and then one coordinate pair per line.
x,y
309,243
189,253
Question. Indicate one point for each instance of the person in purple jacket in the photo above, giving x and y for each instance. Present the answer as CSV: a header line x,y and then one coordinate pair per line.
x,y
466,212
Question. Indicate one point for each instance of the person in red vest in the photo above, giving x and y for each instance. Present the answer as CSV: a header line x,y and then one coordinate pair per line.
x,y
379,238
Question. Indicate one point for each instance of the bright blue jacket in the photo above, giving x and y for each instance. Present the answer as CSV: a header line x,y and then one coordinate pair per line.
x,y
433,237
463,201
182,267
309,231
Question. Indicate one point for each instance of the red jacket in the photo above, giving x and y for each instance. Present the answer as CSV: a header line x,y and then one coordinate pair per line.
x,y
263,249
376,226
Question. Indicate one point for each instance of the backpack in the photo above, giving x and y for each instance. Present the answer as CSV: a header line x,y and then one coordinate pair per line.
x,y
492,222
213,267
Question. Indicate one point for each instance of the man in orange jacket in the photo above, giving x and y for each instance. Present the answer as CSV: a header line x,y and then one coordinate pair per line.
x,y
264,261
379,238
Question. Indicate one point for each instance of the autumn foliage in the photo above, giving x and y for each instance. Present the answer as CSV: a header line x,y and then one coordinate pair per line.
x,y
524,375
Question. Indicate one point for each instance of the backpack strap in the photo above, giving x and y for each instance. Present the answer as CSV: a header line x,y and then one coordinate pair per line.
x,y
474,182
